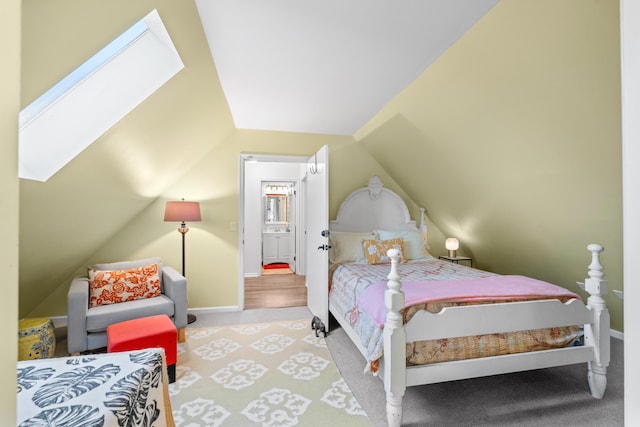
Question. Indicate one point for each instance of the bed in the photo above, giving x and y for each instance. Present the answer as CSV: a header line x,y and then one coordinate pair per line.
x,y
457,329
112,389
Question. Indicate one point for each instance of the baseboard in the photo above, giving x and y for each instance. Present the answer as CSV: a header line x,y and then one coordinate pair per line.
x,y
208,310
61,321
617,334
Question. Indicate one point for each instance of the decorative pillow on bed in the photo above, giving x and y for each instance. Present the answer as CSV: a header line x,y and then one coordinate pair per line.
x,y
347,247
114,286
415,246
376,250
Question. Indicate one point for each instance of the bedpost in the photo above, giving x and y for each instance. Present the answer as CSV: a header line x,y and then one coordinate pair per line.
x,y
395,380
596,333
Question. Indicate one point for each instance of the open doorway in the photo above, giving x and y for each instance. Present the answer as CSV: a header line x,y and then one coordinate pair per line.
x,y
279,228
271,216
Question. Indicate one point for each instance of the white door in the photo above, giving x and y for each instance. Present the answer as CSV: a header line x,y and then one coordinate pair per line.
x,y
317,222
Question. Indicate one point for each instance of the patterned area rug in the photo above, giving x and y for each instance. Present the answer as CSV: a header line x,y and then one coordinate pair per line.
x,y
264,374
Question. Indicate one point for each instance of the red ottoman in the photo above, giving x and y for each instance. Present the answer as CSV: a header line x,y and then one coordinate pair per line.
x,y
146,332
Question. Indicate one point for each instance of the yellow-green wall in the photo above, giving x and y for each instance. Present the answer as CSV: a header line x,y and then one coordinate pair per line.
x,y
512,141
211,247
116,181
9,107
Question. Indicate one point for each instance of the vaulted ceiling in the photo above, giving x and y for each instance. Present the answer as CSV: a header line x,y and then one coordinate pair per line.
x,y
485,137
326,67
318,68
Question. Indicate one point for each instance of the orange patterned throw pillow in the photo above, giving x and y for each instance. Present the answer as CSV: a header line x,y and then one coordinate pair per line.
x,y
114,286
376,250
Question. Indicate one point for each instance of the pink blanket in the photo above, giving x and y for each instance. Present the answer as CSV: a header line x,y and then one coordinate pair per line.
x,y
498,288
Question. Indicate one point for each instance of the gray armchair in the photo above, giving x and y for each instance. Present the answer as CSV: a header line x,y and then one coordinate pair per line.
x,y
87,326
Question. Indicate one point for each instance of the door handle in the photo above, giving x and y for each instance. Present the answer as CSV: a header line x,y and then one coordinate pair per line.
x,y
324,233
324,247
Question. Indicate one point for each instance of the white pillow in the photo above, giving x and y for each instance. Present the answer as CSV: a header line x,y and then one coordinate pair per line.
x,y
347,247
415,246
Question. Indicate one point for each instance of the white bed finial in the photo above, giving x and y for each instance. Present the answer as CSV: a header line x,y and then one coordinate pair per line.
x,y
597,333
423,228
595,268
375,186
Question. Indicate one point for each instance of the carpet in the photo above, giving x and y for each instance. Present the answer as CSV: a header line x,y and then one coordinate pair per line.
x,y
263,374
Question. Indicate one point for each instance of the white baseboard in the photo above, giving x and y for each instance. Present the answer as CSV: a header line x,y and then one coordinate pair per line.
x,y
617,334
207,310
61,321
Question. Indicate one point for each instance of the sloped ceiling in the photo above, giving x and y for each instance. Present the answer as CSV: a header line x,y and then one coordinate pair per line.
x,y
326,67
280,64
511,139
67,219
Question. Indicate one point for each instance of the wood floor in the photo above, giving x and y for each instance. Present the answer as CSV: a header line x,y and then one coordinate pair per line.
x,y
275,291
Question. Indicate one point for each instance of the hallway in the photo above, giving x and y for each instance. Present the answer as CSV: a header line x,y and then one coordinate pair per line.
x,y
275,291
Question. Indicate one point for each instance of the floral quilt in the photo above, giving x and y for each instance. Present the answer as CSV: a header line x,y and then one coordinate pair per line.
x,y
350,280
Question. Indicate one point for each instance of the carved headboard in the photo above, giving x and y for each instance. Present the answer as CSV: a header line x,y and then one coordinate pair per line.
x,y
373,207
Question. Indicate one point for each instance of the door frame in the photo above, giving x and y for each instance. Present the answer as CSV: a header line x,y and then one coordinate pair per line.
x,y
260,158
293,208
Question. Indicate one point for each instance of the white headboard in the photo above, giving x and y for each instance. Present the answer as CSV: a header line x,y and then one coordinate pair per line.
x,y
373,207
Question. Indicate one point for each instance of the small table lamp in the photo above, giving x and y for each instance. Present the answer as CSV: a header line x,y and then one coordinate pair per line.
x,y
181,211
452,246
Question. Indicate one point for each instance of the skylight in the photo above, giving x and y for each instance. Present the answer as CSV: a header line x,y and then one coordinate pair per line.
x,y
76,111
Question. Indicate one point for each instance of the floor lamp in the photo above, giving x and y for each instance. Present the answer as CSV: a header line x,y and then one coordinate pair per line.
x,y
181,211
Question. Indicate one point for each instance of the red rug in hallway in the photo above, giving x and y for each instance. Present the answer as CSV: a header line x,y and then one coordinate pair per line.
x,y
276,265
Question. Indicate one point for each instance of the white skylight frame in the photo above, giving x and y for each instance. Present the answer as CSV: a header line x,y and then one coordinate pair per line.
x,y
75,112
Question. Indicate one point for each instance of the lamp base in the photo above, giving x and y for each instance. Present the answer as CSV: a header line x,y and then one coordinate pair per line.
x,y
191,318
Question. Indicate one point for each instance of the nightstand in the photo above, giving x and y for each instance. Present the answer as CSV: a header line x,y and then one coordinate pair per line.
x,y
457,259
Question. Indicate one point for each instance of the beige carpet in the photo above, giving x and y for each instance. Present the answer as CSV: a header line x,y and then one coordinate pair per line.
x,y
263,374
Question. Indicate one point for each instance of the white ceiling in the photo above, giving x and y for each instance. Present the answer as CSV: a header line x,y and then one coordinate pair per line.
x,y
326,66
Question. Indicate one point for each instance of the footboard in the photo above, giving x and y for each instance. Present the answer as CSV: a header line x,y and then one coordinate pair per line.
x,y
487,319
465,321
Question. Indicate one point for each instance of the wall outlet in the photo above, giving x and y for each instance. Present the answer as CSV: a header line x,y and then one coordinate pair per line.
x,y
233,226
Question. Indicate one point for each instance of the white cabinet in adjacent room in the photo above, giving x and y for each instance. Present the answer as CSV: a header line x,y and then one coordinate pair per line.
x,y
276,247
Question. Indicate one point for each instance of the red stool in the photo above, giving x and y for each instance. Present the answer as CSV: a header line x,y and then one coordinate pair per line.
x,y
146,332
